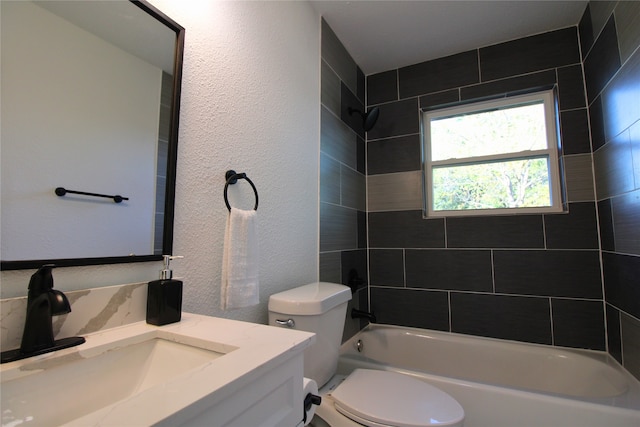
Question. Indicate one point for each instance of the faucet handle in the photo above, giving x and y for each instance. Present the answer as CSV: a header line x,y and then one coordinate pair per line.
x,y
41,280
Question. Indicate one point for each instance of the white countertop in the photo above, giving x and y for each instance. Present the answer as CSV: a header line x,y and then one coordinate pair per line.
x,y
253,349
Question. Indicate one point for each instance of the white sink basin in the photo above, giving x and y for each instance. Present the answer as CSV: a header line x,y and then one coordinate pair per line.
x,y
59,389
201,371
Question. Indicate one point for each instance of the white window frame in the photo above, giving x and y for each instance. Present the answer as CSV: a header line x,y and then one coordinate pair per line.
x,y
549,99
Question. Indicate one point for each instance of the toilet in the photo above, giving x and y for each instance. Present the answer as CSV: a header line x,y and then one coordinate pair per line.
x,y
372,398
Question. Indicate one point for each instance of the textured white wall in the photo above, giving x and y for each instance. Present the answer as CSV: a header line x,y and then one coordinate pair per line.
x,y
250,102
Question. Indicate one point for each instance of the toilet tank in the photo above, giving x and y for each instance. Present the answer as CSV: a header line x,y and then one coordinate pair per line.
x,y
318,307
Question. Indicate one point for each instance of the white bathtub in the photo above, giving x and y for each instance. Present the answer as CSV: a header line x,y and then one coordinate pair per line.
x,y
503,383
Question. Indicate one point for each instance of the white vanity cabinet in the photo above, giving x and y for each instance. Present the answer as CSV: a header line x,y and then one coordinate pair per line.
x,y
201,371
273,400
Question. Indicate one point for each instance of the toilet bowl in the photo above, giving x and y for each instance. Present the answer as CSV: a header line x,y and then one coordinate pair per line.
x,y
382,399
366,397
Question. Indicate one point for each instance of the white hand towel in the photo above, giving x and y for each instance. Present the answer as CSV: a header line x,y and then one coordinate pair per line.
x,y
240,261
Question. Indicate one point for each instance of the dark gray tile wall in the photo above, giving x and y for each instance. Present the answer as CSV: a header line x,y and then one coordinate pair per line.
x,y
611,48
501,316
533,278
343,228
164,128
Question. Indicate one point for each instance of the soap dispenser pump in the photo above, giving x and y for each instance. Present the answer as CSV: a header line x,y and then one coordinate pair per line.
x,y
164,297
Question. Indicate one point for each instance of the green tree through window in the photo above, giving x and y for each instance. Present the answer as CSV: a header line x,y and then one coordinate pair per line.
x,y
493,157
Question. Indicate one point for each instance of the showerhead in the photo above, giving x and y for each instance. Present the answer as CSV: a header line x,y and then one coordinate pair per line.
x,y
368,119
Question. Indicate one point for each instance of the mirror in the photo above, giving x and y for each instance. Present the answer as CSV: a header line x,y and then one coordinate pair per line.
x,y
90,103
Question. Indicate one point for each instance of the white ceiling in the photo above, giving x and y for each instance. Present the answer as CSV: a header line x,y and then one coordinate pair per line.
x,y
123,25
383,35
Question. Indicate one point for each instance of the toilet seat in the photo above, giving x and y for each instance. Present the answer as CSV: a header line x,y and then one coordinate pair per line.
x,y
382,399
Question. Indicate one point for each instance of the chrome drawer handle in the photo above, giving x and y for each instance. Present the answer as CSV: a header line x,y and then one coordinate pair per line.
x,y
289,323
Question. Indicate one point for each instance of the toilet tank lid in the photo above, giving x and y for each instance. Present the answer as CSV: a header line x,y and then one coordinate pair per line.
x,y
314,298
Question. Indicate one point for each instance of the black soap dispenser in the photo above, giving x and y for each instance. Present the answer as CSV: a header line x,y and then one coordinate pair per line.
x,y
164,297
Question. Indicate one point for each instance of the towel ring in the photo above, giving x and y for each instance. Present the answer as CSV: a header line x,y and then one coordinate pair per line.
x,y
232,177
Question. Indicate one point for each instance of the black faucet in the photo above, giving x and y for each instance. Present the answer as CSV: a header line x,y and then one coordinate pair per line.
x,y
43,302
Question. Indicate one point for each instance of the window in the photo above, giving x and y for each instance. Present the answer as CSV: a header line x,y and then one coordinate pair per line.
x,y
493,157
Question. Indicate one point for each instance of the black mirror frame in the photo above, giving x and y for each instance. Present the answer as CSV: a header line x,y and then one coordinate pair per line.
x,y
172,160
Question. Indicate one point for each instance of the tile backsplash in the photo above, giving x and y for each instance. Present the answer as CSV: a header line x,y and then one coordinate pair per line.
x,y
91,310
